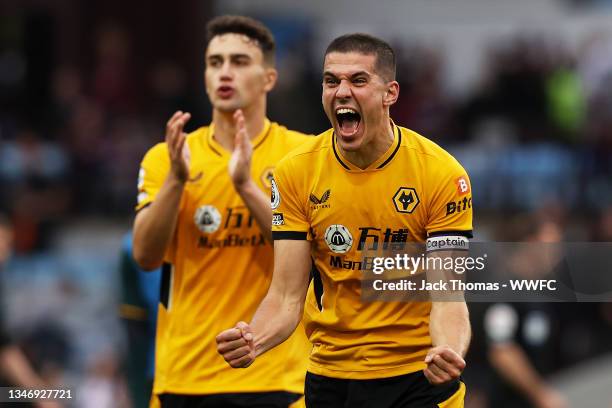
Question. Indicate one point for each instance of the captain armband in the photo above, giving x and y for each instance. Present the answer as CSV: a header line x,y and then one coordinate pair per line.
x,y
447,243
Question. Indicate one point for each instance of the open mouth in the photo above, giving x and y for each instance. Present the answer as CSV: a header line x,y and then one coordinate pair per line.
x,y
225,91
348,121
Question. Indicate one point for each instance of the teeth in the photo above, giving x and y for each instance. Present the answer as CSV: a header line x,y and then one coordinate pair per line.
x,y
345,110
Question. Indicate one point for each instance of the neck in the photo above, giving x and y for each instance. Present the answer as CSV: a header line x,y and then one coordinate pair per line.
x,y
225,126
375,148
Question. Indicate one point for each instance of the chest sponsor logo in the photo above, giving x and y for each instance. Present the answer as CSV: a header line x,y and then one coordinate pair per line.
x,y
274,195
235,228
320,202
372,239
338,238
207,218
406,200
393,239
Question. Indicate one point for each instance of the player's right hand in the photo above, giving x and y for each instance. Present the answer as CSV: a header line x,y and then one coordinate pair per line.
x,y
236,345
177,149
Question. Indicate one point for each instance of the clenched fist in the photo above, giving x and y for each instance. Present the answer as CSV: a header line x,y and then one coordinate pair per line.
x,y
236,345
443,365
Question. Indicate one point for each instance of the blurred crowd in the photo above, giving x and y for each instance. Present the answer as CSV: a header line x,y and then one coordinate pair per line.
x,y
537,126
76,151
535,134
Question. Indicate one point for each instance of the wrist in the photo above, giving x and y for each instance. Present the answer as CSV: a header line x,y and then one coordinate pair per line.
x,y
176,180
245,187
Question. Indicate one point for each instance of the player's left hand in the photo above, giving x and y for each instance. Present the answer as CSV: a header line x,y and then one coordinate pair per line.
x,y
240,162
236,345
443,365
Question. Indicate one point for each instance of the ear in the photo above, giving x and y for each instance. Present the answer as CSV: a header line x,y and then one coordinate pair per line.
x,y
270,79
391,94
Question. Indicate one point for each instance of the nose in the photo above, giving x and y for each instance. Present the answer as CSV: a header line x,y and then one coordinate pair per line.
x,y
226,71
344,90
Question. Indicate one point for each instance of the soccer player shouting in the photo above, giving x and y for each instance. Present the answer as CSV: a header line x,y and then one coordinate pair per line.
x,y
364,182
203,214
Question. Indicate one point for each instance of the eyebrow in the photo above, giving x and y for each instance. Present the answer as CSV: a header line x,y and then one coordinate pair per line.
x,y
356,74
232,56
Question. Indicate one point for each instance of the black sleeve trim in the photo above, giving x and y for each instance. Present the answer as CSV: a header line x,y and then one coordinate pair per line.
x,y
447,249
318,285
143,207
292,235
164,289
467,234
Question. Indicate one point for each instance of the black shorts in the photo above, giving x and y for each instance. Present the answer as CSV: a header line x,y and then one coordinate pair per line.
x,y
276,399
404,391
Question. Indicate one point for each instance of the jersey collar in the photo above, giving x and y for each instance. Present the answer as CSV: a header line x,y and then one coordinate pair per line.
x,y
221,151
380,163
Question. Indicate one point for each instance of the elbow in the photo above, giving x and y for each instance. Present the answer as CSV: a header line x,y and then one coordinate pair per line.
x,y
149,266
144,261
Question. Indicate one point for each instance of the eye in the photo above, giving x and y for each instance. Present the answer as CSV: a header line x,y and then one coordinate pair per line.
x,y
215,63
241,62
330,81
360,81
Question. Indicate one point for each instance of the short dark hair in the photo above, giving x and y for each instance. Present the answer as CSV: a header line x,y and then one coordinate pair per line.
x,y
248,26
368,45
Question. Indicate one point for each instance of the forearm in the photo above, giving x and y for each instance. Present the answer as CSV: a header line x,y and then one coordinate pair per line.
x,y
258,204
18,370
154,227
450,325
274,321
512,364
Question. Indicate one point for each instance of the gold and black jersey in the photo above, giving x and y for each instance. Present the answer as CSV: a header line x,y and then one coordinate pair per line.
x,y
415,191
219,268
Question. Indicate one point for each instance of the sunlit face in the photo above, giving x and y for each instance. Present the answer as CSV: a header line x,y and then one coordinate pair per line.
x,y
355,97
236,76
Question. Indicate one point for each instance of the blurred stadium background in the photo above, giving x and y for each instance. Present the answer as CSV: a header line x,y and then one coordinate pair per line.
x,y
519,91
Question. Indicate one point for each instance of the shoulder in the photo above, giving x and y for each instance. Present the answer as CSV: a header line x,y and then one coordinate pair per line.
x,y
287,137
282,131
310,149
156,153
196,136
430,152
160,150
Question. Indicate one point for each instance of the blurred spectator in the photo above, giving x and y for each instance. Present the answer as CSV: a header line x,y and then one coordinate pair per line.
x,y
168,88
423,106
33,175
103,385
566,101
15,368
114,79
522,336
140,297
